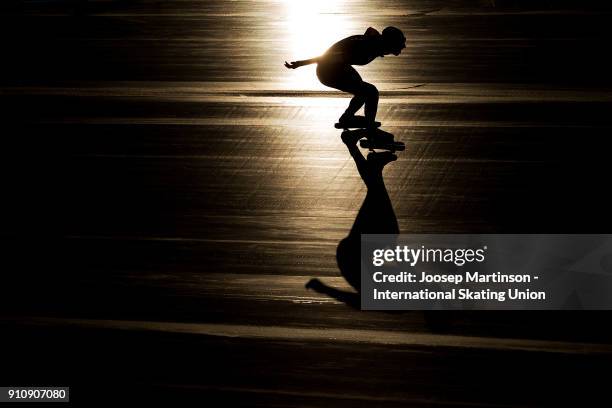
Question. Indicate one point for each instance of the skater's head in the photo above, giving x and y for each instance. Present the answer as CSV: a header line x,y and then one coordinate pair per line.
x,y
393,40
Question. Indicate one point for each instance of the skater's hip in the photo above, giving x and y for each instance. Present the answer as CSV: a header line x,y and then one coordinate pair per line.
x,y
337,75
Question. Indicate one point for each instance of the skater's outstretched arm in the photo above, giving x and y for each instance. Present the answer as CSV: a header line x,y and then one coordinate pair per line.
x,y
297,64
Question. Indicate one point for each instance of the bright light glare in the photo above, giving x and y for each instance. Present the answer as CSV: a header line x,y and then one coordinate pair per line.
x,y
312,27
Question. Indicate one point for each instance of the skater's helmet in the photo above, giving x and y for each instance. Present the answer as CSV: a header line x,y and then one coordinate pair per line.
x,y
395,40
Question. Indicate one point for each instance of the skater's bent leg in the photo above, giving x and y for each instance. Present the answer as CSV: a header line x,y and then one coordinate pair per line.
x,y
356,103
367,94
370,94
345,78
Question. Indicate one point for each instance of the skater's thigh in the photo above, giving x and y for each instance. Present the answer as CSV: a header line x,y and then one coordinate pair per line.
x,y
342,77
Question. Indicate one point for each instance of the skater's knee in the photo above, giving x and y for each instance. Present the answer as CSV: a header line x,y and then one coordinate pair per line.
x,y
369,90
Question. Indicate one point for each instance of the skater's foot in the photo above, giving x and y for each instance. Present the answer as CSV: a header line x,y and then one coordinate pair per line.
x,y
351,137
346,118
357,121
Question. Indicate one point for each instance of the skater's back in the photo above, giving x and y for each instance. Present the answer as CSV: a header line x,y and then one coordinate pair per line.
x,y
356,49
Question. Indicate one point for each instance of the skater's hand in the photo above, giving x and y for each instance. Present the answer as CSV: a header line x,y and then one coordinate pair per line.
x,y
292,65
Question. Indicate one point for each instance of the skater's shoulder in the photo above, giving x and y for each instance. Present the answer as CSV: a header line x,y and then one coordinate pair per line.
x,y
347,43
371,32
359,40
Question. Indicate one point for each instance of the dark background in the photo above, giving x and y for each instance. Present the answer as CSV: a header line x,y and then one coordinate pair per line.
x,y
156,169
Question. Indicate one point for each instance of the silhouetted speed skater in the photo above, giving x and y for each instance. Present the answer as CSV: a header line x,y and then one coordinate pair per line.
x,y
334,68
